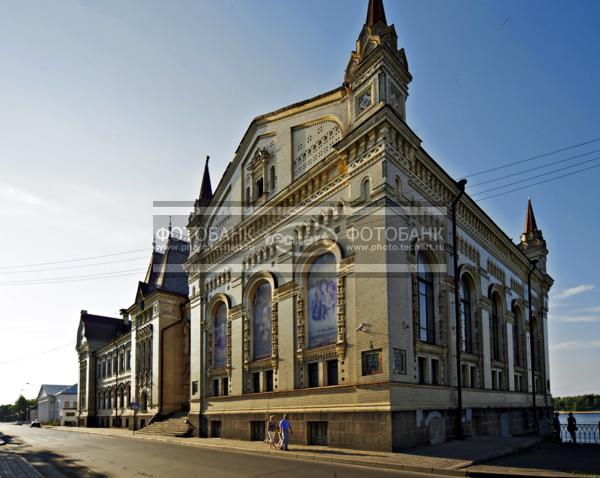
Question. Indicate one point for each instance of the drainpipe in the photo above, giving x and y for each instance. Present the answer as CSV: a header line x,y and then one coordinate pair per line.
x,y
461,190
532,341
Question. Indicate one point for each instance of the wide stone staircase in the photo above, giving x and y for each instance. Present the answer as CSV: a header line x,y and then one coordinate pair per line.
x,y
174,425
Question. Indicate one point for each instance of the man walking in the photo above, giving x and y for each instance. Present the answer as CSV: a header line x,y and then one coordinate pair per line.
x,y
285,429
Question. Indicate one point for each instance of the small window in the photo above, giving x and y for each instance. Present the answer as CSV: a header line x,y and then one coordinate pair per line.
x,y
399,362
313,375
215,387
215,429
366,189
269,380
332,372
225,385
256,382
422,370
260,188
257,430
435,372
473,377
464,371
371,362
194,387
272,178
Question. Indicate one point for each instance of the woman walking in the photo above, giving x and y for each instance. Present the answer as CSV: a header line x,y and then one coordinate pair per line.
x,y
271,429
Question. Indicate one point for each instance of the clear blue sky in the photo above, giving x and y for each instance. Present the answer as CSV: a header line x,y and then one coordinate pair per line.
x,y
109,105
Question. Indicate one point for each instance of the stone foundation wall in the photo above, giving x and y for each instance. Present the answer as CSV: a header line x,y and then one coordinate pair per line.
x,y
379,431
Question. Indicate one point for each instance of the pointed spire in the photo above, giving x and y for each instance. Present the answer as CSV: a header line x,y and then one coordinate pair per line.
x,y
375,13
206,188
530,224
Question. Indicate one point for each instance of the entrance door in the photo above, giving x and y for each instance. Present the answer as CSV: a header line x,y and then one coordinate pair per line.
x,y
317,433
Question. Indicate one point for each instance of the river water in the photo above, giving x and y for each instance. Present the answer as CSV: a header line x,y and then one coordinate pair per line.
x,y
588,427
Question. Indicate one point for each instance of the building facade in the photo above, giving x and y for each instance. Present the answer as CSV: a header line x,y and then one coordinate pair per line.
x,y
49,402
141,358
321,280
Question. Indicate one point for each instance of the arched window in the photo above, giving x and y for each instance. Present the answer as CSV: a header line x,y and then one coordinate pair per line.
x,y
517,336
272,178
144,402
220,337
261,322
466,315
322,301
426,311
366,189
260,188
496,308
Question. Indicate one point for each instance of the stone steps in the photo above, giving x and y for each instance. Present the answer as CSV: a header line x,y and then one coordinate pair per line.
x,y
174,427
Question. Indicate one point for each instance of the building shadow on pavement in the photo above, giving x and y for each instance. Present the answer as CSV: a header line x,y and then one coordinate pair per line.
x,y
50,464
552,457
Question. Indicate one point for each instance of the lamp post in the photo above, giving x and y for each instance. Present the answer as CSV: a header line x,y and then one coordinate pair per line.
x,y
461,190
532,340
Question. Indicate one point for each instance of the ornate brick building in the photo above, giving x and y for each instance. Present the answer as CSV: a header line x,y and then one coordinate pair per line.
x,y
299,305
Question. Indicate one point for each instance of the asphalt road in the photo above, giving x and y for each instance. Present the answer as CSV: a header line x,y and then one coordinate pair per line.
x,y
57,454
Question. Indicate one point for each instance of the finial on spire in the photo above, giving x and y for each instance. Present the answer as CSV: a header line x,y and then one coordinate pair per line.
x,y
170,226
530,223
376,13
154,242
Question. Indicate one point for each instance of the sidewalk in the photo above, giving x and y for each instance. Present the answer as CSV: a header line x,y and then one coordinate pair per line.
x,y
14,466
449,459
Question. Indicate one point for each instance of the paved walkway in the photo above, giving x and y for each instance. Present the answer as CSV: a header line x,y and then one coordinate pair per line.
x,y
450,458
14,466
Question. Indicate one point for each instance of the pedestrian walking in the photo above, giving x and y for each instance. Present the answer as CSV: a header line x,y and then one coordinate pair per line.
x,y
285,430
271,430
572,427
556,426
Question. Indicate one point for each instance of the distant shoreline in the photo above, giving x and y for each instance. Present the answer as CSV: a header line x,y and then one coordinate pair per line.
x,y
578,411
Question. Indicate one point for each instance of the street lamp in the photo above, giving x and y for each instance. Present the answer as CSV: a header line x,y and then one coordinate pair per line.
x,y
461,190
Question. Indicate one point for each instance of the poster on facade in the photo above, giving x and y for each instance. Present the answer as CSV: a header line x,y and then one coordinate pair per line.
x,y
220,338
261,322
322,302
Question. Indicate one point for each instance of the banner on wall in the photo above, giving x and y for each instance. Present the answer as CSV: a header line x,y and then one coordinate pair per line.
x,y
261,322
322,302
220,339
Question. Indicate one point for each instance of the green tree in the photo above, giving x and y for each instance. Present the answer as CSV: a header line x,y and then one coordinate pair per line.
x,y
21,408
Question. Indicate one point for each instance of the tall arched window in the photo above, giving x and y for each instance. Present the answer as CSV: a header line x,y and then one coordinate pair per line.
x,y
466,315
322,301
426,311
496,308
261,322
517,336
220,337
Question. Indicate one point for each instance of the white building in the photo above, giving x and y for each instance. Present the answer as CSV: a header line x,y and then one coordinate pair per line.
x,y
66,406
48,410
